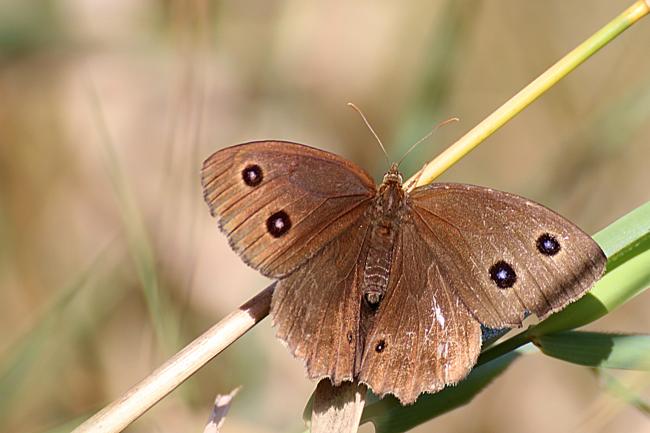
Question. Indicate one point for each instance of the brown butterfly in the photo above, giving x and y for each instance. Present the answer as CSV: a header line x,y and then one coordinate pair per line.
x,y
382,285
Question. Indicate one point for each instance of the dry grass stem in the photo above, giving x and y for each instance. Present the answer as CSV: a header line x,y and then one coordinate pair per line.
x,y
123,411
337,408
219,411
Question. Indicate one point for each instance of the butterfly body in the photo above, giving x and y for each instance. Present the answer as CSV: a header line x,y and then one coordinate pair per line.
x,y
385,218
385,286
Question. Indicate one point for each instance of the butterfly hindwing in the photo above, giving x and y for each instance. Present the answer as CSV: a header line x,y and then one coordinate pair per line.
x,y
423,337
315,310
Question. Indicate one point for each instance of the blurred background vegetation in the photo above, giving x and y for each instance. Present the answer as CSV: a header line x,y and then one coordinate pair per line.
x,y
110,262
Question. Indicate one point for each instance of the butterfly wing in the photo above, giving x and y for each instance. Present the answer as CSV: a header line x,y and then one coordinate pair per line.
x,y
279,203
424,337
315,310
504,256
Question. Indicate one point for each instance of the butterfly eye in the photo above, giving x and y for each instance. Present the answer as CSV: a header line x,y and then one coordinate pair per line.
x,y
252,175
548,245
381,345
503,275
350,337
278,224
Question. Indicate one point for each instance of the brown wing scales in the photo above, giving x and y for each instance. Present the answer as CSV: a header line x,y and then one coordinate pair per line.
x,y
320,194
463,255
487,234
426,335
314,310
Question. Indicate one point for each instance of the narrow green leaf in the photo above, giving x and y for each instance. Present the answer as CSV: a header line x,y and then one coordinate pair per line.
x,y
626,237
594,349
389,416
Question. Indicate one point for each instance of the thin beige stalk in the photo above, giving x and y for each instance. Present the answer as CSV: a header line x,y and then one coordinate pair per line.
x,y
137,400
528,94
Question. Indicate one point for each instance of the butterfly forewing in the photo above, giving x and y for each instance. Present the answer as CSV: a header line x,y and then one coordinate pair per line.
x,y
505,256
279,202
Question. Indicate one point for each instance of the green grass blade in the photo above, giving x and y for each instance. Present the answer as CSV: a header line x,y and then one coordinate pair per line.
x,y
594,349
389,416
530,93
626,237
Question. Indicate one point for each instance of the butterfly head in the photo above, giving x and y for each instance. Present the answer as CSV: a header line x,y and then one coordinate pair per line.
x,y
391,195
393,176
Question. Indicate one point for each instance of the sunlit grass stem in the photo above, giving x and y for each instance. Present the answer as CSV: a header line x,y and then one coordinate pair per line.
x,y
528,94
120,413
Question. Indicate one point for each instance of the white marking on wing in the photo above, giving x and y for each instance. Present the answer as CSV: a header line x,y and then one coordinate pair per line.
x,y
439,317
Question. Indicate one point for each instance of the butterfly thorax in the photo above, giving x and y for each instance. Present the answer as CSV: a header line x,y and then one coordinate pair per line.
x,y
388,209
390,198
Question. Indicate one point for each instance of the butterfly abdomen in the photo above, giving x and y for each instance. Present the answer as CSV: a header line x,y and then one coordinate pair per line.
x,y
378,262
388,208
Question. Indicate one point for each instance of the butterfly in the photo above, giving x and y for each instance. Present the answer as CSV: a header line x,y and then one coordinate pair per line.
x,y
385,286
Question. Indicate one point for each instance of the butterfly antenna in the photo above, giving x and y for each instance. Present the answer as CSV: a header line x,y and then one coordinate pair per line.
x,y
439,125
350,104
